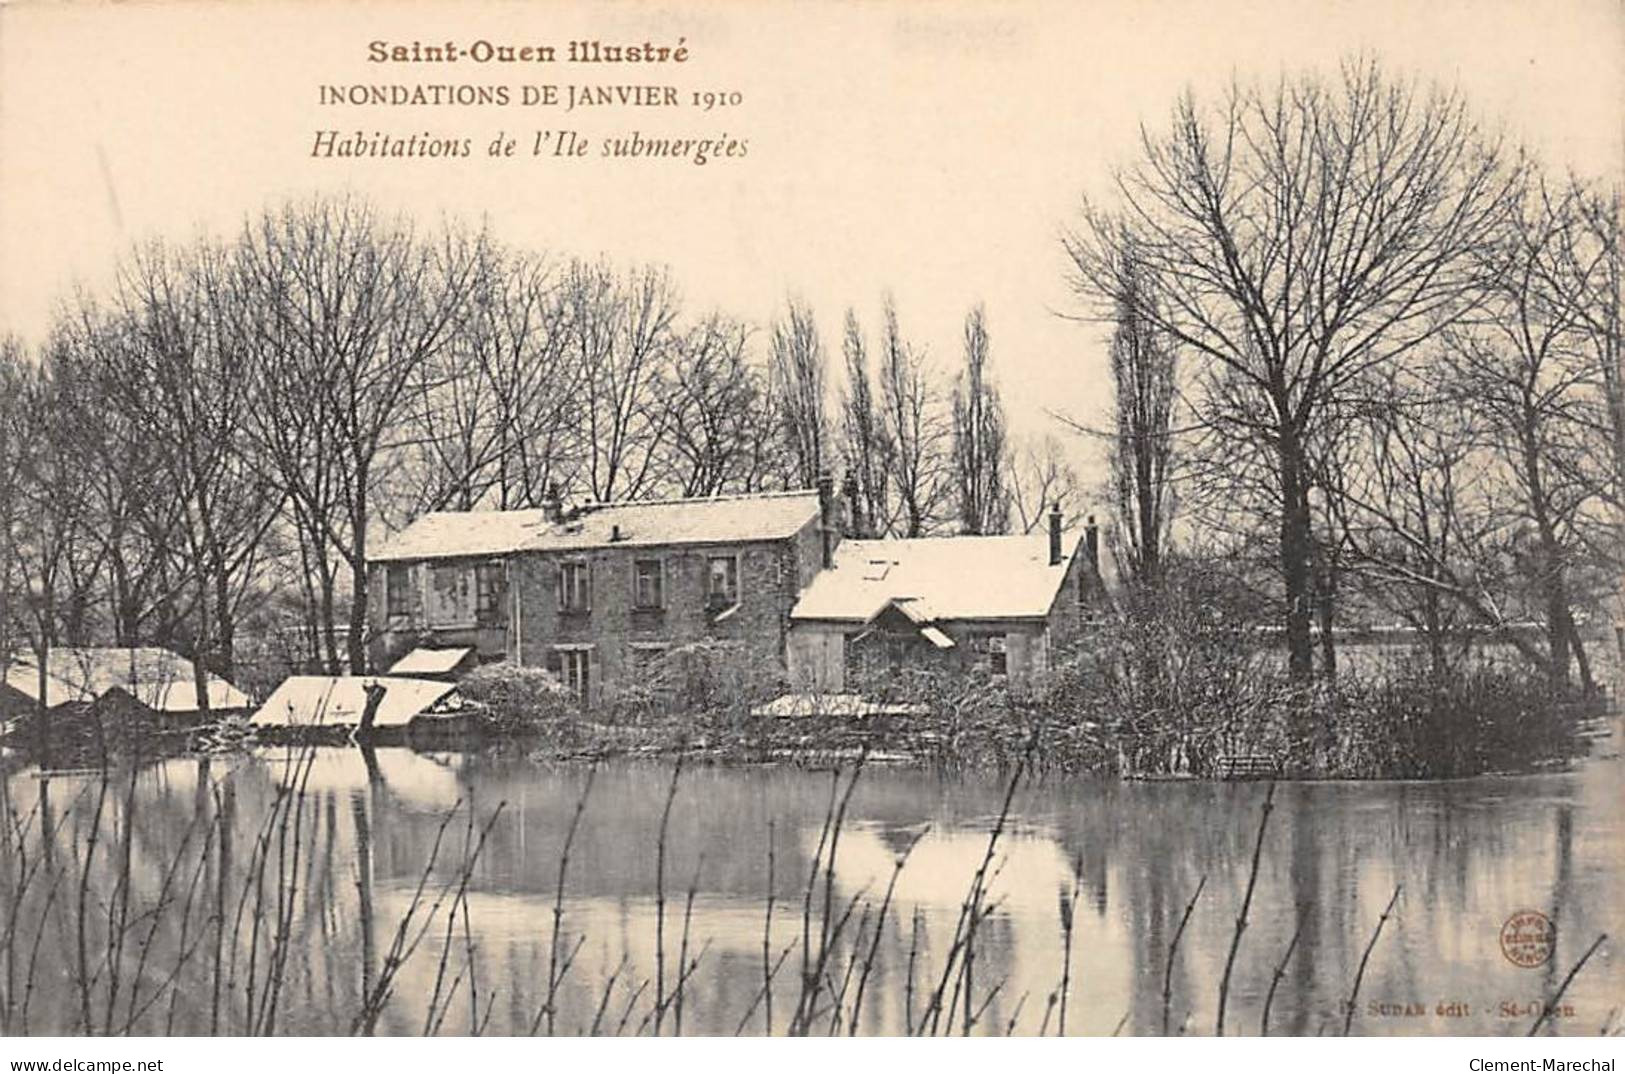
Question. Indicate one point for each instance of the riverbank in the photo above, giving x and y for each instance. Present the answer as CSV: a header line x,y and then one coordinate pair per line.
x,y
1393,727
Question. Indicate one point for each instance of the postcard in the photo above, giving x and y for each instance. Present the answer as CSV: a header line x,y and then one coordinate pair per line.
x,y
870,520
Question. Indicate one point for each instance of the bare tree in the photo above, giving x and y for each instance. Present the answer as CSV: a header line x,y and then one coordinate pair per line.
x,y
50,524
136,510
1416,506
865,445
1299,236
1042,477
1143,390
343,309
916,429
799,375
186,383
713,401
1530,366
496,411
623,335
980,455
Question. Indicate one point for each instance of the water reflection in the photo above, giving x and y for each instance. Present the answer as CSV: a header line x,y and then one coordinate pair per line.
x,y
334,884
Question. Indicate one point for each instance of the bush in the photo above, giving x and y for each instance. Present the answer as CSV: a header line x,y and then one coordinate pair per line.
x,y
516,700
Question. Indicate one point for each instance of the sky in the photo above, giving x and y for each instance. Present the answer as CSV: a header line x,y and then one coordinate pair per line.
x,y
934,152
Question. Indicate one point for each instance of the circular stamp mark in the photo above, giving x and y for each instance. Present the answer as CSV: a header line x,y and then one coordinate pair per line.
x,y
1527,939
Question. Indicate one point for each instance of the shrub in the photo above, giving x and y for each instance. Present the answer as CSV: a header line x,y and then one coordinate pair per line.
x,y
518,699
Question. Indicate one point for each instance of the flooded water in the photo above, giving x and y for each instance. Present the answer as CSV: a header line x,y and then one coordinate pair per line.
x,y
171,899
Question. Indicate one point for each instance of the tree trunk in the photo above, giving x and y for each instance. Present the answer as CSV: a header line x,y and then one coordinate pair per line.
x,y
1297,549
1325,575
358,599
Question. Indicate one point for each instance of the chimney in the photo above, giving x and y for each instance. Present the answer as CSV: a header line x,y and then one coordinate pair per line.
x,y
826,522
1091,544
1055,534
854,509
553,504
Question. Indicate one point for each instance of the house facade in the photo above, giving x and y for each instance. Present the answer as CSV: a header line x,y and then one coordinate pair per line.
x,y
1001,606
596,593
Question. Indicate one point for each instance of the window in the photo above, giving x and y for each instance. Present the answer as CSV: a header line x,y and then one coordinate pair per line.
x,y
722,584
490,594
450,595
990,653
648,584
575,587
397,589
575,671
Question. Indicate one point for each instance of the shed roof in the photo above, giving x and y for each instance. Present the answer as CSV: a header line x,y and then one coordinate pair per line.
x,y
306,700
710,520
159,679
932,579
429,661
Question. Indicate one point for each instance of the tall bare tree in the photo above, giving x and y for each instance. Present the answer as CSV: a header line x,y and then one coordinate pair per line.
x,y
343,309
917,431
1531,367
713,402
865,446
1143,391
1299,235
980,453
496,410
799,378
623,335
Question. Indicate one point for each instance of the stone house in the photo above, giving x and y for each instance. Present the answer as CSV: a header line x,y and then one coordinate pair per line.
x,y
999,605
596,593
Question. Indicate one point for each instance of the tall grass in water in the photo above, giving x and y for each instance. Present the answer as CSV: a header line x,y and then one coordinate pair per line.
x,y
220,930
244,912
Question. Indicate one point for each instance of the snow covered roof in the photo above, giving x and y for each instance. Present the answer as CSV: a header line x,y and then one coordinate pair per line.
x,y
429,661
931,579
159,679
711,520
305,700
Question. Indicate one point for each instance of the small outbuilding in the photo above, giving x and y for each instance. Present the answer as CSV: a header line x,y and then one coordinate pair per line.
x,y
1000,605
156,680
339,700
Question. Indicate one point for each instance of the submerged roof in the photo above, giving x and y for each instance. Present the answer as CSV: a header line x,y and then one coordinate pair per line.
x,y
931,579
429,661
307,700
713,520
159,679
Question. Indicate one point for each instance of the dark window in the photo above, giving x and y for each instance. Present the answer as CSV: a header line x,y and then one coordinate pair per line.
x,y
575,669
575,587
397,589
490,594
722,581
989,650
648,584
